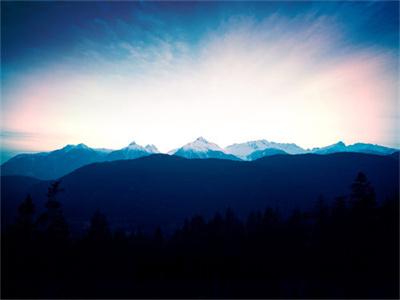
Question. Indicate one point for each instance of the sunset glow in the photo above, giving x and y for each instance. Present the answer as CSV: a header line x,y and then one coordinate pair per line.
x,y
302,76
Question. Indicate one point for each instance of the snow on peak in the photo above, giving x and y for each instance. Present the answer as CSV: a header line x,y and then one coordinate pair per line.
x,y
151,148
245,149
242,150
202,145
136,147
103,150
201,140
77,146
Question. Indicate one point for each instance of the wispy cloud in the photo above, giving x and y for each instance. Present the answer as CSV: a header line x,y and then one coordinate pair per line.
x,y
17,141
295,79
5,134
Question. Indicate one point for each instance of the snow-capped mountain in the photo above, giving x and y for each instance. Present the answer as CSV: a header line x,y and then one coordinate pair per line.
x,y
244,150
201,148
132,151
54,164
201,145
357,147
254,149
80,146
151,148
371,149
104,150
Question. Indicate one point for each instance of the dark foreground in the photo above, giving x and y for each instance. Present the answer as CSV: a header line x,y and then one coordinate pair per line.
x,y
346,250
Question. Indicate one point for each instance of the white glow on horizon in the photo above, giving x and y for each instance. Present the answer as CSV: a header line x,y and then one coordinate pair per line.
x,y
272,80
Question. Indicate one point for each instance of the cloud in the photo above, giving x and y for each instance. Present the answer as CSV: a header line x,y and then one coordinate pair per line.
x,y
284,79
5,134
17,141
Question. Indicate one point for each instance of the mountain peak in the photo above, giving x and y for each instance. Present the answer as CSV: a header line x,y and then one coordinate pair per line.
x,y
337,147
151,148
200,148
81,145
339,144
134,146
201,139
243,150
198,145
202,145
77,146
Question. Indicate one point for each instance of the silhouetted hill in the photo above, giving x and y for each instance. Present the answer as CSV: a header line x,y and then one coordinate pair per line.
x,y
395,155
163,189
13,191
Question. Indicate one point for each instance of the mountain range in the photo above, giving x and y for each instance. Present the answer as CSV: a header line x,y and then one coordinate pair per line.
x,y
201,148
54,164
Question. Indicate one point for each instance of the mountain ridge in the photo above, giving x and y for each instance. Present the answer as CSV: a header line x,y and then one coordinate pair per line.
x,y
201,148
54,164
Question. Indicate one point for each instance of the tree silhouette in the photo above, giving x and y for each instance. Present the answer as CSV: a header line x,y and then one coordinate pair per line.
x,y
362,194
321,211
98,230
339,209
53,221
346,249
25,223
158,237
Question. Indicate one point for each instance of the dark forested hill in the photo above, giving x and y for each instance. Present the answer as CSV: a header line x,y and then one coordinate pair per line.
x,y
163,190
13,191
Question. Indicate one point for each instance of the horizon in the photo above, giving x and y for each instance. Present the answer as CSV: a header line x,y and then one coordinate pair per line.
x,y
6,155
223,147
308,73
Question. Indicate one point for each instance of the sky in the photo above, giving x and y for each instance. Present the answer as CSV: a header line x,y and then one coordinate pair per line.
x,y
109,73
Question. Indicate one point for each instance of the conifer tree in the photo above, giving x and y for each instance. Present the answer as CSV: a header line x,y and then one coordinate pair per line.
x,y
25,224
99,230
362,194
53,221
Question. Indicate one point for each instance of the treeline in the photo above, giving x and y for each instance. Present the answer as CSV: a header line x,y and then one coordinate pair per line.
x,y
349,249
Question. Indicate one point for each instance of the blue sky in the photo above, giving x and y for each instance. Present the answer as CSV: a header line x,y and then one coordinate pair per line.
x,y
81,71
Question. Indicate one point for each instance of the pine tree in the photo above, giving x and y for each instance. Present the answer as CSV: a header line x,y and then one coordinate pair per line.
x,y
339,209
362,194
321,213
158,237
52,221
99,230
24,224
